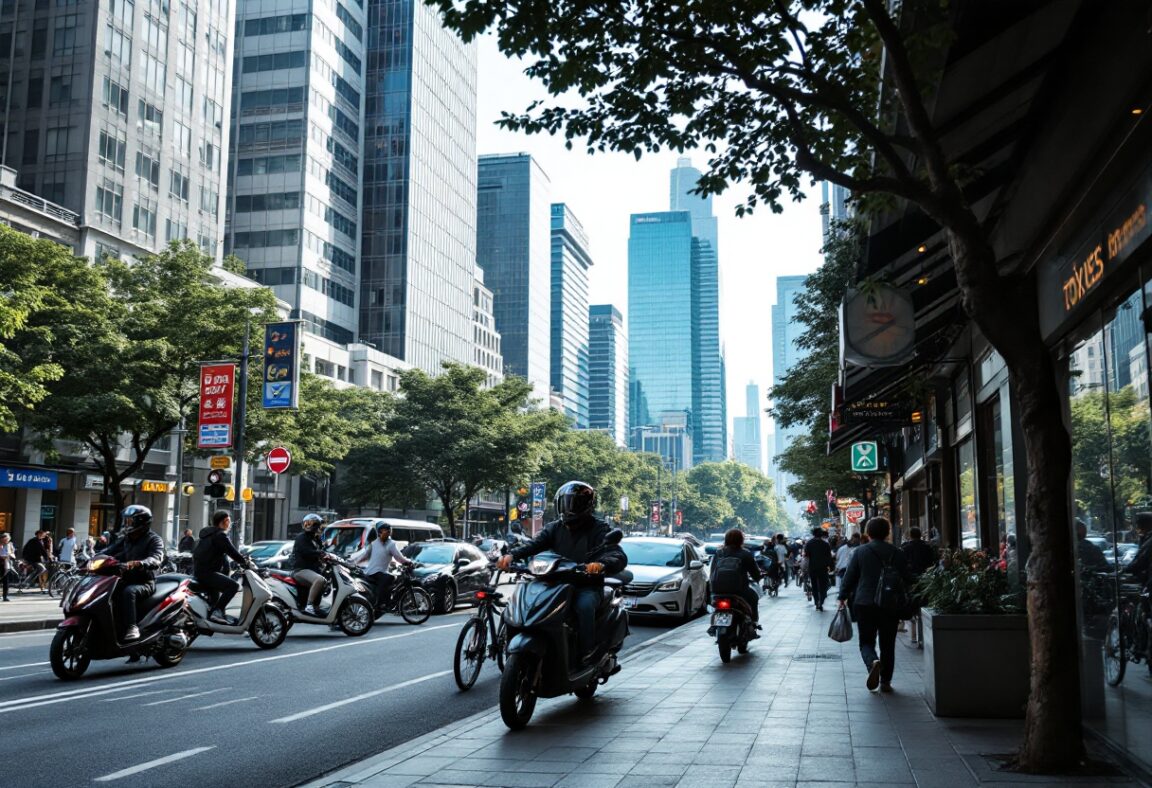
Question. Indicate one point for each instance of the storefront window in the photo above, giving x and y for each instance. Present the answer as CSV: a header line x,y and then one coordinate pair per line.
x,y
998,490
969,513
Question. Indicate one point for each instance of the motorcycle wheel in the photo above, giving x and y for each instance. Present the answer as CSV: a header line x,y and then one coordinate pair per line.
x,y
470,649
269,628
1115,651
588,690
725,646
517,695
415,605
169,659
355,618
69,659
501,645
742,647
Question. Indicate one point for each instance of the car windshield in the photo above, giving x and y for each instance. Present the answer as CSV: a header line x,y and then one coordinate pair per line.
x,y
343,541
654,553
431,553
264,550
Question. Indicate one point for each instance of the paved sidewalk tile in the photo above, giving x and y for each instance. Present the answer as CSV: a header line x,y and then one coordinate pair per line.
x,y
792,713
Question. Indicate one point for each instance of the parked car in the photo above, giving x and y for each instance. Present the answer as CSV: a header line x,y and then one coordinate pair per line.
x,y
345,537
452,571
270,554
668,577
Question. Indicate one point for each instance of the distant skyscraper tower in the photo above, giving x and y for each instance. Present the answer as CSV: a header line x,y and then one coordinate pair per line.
x,y
570,263
608,372
514,247
785,331
746,431
833,204
486,337
294,194
419,227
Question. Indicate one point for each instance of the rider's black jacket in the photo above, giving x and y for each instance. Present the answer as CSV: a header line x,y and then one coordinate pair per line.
x,y
576,543
148,550
306,552
212,550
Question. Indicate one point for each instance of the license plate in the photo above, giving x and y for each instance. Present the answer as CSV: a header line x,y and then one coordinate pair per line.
x,y
722,620
630,601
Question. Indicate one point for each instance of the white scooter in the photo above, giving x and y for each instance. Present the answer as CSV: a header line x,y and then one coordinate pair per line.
x,y
346,598
261,616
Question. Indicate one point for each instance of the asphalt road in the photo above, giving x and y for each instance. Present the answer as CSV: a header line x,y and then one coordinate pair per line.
x,y
231,714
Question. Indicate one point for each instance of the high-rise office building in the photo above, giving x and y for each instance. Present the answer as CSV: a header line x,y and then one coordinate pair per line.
x,y
746,431
608,372
295,184
514,247
785,354
833,204
116,111
419,220
571,260
486,338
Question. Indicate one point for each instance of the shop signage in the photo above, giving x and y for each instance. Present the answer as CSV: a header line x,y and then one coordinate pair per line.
x,y
281,369
152,486
214,424
538,490
220,462
865,457
877,327
875,410
47,512
28,478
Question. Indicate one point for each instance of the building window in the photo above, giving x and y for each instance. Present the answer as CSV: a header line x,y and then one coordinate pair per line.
x,y
35,92
184,95
187,20
186,59
148,168
110,200
57,144
209,155
267,165
122,11
249,203
115,97
117,46
155,74
275,62
31,152
209,200
175,230
179,186
111,151
350,23
155,34
343,156
144,219
275,24
182,139
266,136
256,239
151,116
64,37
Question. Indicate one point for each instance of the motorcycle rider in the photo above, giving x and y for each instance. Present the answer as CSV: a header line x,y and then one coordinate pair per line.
x,y
574,535
733,567
307,553
379,555
141,550
209,565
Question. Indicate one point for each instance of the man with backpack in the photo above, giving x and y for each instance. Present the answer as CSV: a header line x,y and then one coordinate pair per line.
x,y
820,565
877,581
733,568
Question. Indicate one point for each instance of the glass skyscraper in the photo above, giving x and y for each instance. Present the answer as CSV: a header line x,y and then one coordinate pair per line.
x,y
419,221
785,331
608,372
514,247
570,263
746,431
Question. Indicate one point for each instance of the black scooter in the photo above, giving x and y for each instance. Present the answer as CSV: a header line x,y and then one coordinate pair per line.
x,y
542,657
732,625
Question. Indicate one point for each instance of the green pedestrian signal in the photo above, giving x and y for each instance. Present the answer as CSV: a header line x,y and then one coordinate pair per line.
x,y
865,457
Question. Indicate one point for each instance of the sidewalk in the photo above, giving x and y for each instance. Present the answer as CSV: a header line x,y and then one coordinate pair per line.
x,y
793,712
30,611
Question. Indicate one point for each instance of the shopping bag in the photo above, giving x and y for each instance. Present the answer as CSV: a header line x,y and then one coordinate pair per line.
x,y
841,628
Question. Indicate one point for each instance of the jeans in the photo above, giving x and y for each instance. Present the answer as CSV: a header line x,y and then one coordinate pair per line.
x,y
382,581
313,579
819,580
870,622
125,603
224,587
585,604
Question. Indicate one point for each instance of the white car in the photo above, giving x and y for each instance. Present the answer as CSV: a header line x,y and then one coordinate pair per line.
x,y
668,577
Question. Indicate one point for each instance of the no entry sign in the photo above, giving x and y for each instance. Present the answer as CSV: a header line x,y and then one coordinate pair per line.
x,y
278,460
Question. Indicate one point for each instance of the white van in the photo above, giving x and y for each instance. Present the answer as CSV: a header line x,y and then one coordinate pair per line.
x,y
344,537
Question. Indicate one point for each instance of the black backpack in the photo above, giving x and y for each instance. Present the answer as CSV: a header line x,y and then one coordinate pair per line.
x,y
729,576
891,594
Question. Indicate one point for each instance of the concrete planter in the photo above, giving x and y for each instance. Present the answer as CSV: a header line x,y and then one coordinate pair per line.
x,y
976,665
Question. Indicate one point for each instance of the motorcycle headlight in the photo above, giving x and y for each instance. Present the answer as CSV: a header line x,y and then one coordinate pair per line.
x,y
670,585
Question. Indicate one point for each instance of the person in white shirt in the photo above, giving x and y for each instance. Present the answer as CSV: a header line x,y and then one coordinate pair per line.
x,y
378,555
67,554
844,554
782,558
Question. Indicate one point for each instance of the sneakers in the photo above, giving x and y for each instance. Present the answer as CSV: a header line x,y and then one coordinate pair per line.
x,y
218,617
885,687
133,633
311,610
873,676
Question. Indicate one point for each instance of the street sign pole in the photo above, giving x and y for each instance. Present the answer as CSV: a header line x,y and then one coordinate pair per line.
x,y
243,416
179,432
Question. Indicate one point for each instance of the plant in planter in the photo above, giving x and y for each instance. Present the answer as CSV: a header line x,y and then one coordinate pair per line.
x,y
976,647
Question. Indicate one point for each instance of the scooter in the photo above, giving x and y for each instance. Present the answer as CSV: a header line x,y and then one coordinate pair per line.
x,y
90,631
542,659
732,625
347,598
261,616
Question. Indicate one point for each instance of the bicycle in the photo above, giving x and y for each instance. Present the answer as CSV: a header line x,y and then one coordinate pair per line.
x,y
1126,638
60,578
481,638
28,579
407,598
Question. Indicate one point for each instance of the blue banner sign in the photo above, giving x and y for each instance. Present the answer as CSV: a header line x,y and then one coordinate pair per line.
x,y
281,365
30,478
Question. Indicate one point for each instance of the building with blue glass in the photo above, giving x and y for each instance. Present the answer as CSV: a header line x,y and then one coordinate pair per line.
x,y
419,218
608,372
785,354
514,247
746,446
571,260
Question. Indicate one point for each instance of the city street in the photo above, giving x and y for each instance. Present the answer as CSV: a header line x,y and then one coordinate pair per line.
x,y
232,714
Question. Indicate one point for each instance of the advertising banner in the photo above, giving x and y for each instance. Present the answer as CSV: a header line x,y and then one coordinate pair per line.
x,y
214,425
281,386
28,478
537,507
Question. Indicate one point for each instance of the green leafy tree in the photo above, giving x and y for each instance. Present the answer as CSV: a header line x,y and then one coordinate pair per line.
x,y
719,495
459,438
593,457
375,476
840,91
1110,463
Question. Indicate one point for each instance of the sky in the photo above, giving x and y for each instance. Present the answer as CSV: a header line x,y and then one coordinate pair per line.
x,y
605,189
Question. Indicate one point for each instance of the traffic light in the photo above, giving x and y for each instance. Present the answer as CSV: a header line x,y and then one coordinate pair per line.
x,y
217,487
188,489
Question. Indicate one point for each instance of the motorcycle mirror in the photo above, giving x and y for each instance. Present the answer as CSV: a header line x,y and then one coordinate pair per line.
x,y
614,536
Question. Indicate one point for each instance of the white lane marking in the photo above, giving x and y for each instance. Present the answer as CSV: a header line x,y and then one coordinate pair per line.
x,y
143,767
25,665
21,676
78,694
184,697
346,701
137,695
224,703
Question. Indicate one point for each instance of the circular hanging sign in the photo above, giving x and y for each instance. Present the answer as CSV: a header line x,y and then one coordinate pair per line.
x,y
278,460
878,327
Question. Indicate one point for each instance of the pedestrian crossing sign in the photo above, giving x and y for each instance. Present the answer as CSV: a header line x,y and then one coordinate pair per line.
x,y
865,457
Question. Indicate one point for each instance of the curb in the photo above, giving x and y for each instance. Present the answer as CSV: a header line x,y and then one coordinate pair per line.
x,y
27,626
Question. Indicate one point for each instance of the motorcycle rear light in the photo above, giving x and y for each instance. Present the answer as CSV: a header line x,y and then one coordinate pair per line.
x,y
723,604
481,594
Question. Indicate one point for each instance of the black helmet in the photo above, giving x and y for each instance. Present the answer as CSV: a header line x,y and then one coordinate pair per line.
x,y
136,519
574,500
312,522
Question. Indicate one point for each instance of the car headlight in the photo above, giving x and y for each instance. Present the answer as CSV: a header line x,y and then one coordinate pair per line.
x,y
670,585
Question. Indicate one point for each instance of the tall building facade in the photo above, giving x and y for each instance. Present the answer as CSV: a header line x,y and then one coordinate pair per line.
x,y
296,168
571,260
514,247
746,431
785,354
833,204
419,219
486,339
116,111
608,372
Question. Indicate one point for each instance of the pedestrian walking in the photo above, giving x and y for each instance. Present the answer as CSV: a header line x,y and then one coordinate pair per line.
x,y
843,553
187,542
7,559
820,563
921,557
867,583
67,554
